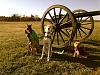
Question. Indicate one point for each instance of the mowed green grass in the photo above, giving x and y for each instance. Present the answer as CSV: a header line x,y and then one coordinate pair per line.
x,y
15,60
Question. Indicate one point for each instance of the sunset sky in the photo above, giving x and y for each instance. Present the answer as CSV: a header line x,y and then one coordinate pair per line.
x,y
38,7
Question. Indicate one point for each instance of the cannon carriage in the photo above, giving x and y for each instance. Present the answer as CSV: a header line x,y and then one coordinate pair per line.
x,y
68,26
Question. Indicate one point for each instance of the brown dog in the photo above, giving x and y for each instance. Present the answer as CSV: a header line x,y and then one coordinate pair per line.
x,y
76,49
33,39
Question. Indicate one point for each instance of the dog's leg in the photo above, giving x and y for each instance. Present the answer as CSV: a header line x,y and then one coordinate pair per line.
x,y
74,52
30,47
48,57
51,52
43,51
77,52
50,49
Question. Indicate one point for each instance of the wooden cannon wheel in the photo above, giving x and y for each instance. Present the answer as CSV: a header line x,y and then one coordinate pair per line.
x,y
85,25
63,24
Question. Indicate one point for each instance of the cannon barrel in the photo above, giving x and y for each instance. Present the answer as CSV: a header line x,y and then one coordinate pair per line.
x,y
85,14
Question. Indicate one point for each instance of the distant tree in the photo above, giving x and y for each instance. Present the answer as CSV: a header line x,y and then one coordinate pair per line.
x,y
15,17
37,18
32,17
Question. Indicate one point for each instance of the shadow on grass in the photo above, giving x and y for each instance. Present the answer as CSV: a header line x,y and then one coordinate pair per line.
x,y
92,42
92,60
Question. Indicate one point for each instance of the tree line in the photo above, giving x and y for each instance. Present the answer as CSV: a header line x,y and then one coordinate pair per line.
x,y
16,17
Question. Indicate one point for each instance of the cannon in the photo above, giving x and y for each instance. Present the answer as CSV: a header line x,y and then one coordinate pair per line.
x,y
67,25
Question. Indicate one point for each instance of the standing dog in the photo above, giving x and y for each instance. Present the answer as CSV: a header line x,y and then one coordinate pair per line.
x,y
33,39
76,49
47,48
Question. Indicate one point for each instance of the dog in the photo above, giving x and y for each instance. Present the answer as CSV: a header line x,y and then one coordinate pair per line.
x,y
47,45
76,48
33,40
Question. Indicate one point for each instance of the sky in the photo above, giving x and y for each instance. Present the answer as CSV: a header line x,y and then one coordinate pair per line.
x,y
38,7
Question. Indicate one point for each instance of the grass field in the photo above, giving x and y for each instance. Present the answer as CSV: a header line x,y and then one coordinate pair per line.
x,y
14,59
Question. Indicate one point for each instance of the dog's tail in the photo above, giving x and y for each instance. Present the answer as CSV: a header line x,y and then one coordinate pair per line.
x,y
60,52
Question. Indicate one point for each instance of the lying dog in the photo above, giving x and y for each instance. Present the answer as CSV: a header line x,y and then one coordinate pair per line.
x,y
47,46
76,49
33,39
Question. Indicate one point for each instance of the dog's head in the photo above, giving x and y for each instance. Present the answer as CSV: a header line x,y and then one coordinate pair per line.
x,y
76,43
47,30
29,27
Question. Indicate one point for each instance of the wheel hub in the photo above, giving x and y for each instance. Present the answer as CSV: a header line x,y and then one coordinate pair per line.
x,y
57,27
78,25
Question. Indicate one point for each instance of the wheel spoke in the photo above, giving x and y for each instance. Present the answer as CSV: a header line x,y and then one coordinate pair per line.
x,y
53,37
76,34
68,18
52,32
51,17
85,28
79,33
80,19
64,33
68,33
83,31
86,23
49,21
62,37
57,38
55,15
85,19
63,18
72,35
59,14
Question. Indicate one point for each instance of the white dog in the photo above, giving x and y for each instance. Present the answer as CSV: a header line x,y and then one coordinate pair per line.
x,y
47,46
76,48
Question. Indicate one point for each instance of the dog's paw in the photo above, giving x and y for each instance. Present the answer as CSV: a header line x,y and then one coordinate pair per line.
x,y
40,58
73,55
47,59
